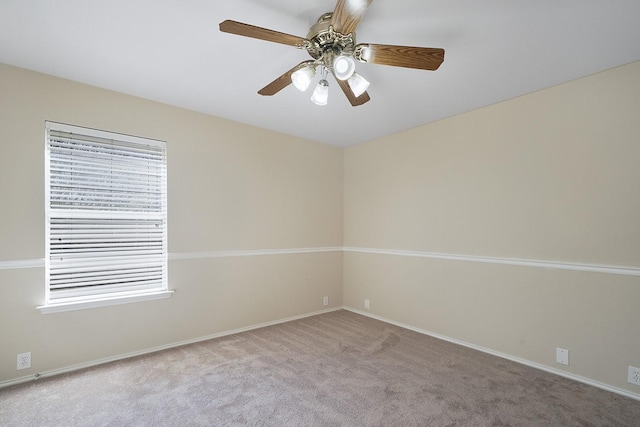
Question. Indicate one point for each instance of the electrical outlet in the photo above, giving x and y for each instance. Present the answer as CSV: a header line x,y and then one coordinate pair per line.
x,y
24,360
325,301
634,375
366,304
562,356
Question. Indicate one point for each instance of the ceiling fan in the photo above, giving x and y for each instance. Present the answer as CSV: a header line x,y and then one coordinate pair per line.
x,y
331,42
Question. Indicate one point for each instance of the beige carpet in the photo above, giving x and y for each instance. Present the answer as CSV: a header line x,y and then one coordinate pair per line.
x,y
335,369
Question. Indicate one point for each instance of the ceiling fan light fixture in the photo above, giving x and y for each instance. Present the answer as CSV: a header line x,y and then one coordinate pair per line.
x,y
321,93
343,67
358,84
301,78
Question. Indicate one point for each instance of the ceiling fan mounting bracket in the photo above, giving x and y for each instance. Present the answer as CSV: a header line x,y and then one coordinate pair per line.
x,y
360,53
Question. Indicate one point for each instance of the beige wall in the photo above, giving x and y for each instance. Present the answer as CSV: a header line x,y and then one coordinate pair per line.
x,y
550,176
231,187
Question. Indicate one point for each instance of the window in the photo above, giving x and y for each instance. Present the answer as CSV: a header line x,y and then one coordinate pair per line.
x,y
106,208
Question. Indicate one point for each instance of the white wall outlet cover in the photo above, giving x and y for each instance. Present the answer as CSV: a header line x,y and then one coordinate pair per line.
x,y
562,356
634,375
325,301
366,304
24,360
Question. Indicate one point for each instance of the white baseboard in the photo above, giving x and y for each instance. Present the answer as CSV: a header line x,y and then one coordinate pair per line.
x,y
53,372
603,386
506,356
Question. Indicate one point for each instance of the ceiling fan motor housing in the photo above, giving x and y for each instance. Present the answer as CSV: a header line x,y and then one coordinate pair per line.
x,y
325,44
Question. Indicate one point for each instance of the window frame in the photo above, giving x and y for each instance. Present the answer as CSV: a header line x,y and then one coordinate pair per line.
x,y
150,210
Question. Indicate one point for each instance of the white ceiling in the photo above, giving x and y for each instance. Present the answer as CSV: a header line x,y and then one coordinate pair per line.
x,y
173,52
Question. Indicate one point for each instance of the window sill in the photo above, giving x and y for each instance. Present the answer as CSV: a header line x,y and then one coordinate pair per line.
x,y
102,302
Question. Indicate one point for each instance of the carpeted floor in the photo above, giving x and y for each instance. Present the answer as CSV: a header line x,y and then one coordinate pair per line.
x,y
335,369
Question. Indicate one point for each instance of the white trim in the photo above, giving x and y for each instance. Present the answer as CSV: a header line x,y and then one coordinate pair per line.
x,y
53,372
22,263
554,265
255,252
635,396
102,302
603,386
40,263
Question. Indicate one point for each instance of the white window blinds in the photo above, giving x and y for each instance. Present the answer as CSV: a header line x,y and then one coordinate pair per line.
x,y
106,215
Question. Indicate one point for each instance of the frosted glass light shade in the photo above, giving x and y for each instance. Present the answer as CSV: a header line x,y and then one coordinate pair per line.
x,y
343,67
321,93
301,78
358,84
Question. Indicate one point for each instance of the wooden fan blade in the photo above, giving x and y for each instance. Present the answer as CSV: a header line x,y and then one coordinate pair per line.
x,y
283,81
247,30
423,58
348,14
355,101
